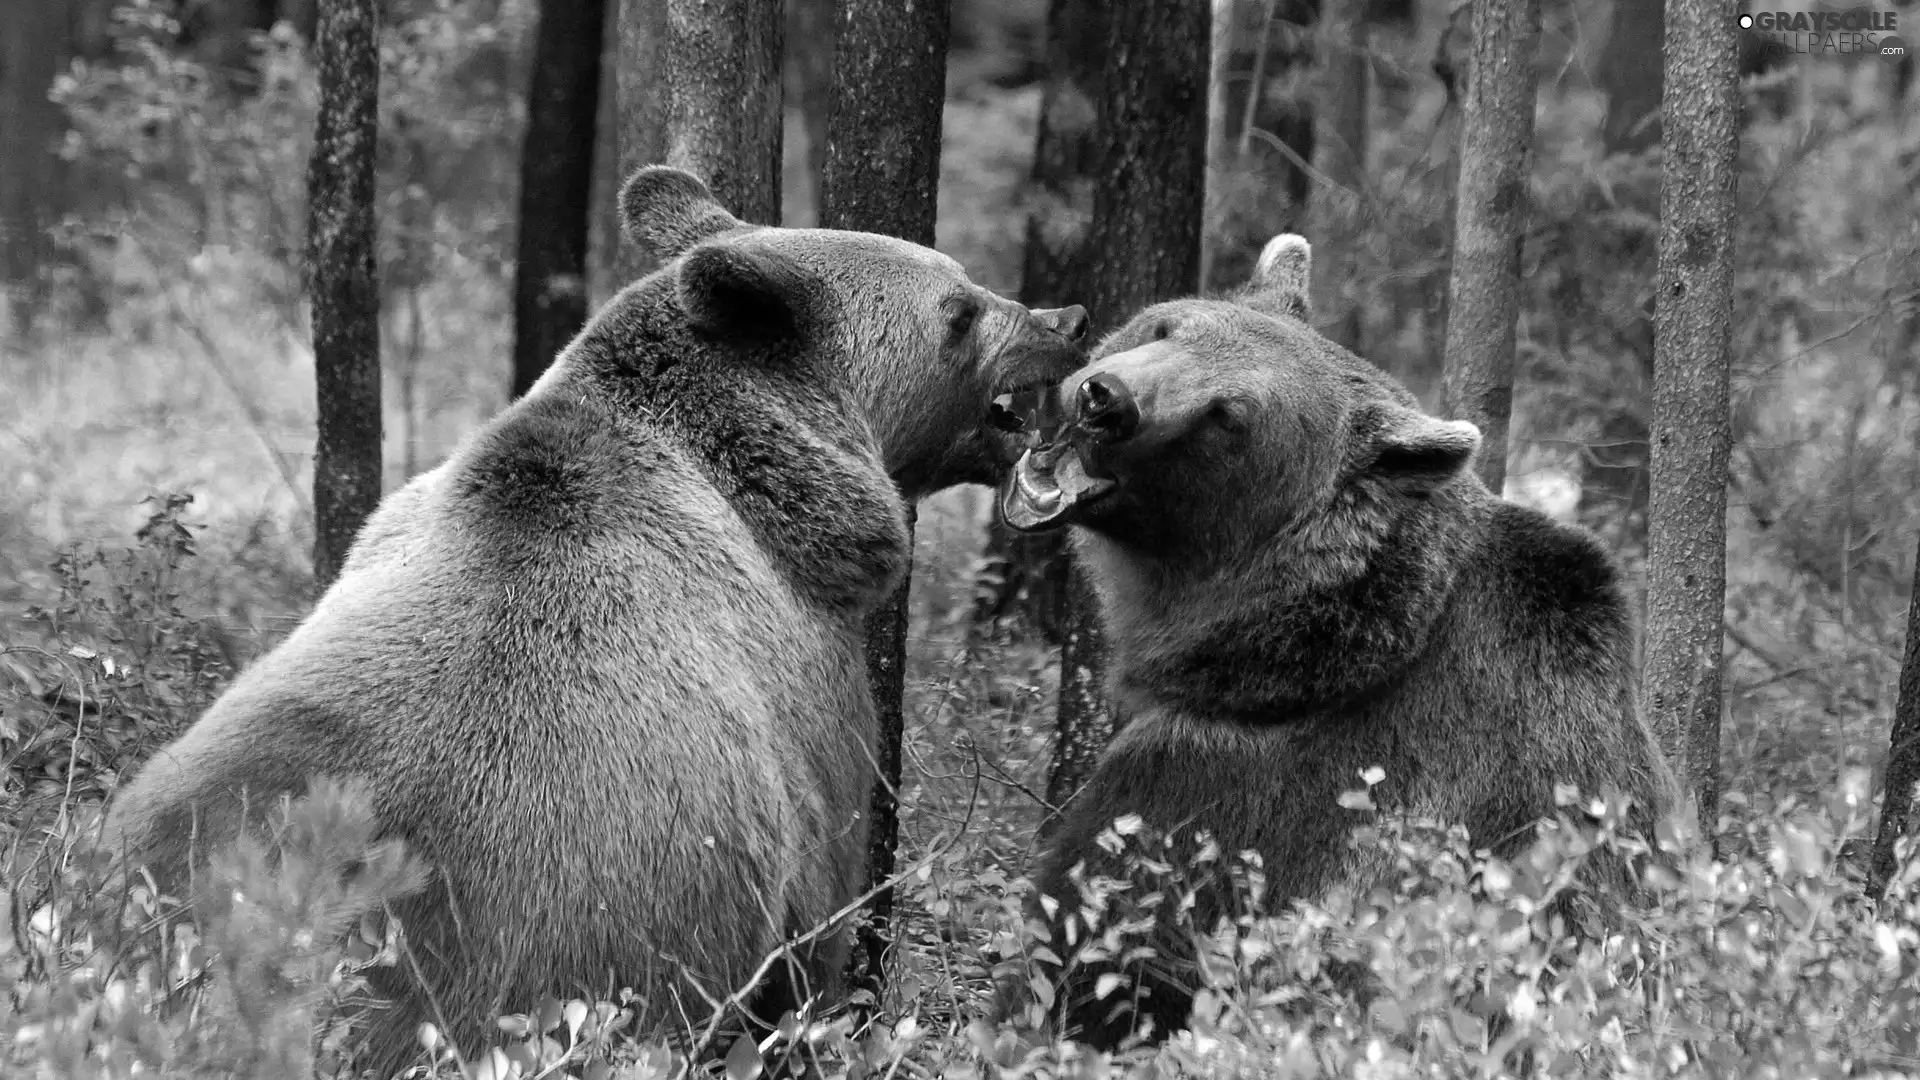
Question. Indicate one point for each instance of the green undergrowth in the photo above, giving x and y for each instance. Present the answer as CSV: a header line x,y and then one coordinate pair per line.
x,y
1767,961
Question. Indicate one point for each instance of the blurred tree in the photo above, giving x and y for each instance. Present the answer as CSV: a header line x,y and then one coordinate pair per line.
x,y
1026,576
640,121
344,282
1687,506
1490,220
1903,754
810,36
1630,75
34,46
1142,246
556,185
882,175
724,120
1335,201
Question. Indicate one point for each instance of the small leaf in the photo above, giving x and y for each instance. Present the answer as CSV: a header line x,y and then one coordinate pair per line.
x,y
743,1061
513,1024
1106,984
1373,774
429,1037
576,1016
549,1014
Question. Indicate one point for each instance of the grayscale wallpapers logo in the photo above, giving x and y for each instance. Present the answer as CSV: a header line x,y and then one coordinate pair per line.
x,y
1852,33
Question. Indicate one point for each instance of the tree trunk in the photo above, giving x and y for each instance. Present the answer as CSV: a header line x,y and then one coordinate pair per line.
x,y
882,175
1143,246
724,121
1490,220
640,123
1630,75
556,185
1903,753
33,47
345,288
1686,516
1340,156
810,36
1027,575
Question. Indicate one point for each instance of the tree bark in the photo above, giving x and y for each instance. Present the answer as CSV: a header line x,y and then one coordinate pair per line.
x,y
724,122
1686,516
1027,575
640,124
1143,246
1490,220
1340,156
882,175
556,185
345,289
1897,818
33,47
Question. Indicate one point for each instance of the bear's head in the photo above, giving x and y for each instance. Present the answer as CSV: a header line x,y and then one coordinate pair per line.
x,y
922,348
1205,426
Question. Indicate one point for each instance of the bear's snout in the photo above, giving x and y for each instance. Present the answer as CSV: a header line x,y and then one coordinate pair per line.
x,y
1107,409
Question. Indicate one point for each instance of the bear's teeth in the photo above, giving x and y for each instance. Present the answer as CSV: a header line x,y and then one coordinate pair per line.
x,y
1044,500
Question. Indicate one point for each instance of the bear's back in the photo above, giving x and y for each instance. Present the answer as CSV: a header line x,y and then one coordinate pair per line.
x,y
568,597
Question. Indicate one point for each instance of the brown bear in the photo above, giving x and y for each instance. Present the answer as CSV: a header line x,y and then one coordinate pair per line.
x,y
1301,578
603,667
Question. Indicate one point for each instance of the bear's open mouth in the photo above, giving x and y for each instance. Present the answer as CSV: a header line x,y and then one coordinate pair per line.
x,y
1048,484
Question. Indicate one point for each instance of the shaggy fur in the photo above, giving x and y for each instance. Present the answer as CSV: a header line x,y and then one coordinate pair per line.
x,y
1301,578
603,667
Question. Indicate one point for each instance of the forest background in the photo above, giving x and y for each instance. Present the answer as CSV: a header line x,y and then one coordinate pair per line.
x,y
157,344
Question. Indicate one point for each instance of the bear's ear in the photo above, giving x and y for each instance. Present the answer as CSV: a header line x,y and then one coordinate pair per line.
x,y
1282,277
1411,450
730,291
666,211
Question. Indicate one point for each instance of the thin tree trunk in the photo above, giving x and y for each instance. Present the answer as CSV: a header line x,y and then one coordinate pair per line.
x,y
1490,220
640,124
1903,754
1630,75
344,282
1220,149
1143,246
33,46
724,121
1340,156
1686,516
556,185
810,35
882,175
1027,575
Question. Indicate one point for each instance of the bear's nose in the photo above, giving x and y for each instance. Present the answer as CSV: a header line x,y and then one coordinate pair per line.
x,y
1069,322
1107,408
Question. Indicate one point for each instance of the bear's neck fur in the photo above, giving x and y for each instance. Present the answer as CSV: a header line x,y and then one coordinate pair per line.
x,y
780,435
1318,616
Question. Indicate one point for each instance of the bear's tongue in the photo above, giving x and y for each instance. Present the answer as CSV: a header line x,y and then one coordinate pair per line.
x,y
1042,489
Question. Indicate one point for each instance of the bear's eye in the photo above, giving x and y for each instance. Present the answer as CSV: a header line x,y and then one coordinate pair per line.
x,y
1162,330
960,318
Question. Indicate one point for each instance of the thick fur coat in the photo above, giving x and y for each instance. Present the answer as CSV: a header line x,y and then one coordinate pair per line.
x,y
1301,578
603,667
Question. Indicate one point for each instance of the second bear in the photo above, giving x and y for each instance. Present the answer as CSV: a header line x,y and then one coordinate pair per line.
x,y
1302,578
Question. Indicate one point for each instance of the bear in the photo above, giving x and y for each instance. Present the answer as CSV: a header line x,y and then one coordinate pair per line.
x,y
602,669
1301,577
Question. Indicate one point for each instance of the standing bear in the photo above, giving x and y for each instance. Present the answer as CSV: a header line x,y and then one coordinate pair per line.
x,y
603,667
1302,578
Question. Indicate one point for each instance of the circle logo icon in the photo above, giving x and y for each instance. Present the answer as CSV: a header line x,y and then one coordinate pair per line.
x,y
1746,22
1892,47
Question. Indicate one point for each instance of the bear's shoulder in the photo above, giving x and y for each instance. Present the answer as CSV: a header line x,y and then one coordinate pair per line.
x,y
1556,583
